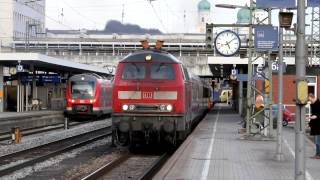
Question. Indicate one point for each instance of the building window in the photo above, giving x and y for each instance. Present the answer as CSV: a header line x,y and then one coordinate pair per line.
x,y
312,85
202,19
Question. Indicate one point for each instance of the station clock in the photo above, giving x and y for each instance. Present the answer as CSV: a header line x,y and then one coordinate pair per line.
x,y
227,43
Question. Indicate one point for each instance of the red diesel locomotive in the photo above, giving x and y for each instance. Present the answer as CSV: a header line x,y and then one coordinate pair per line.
x,y
88,95
155,99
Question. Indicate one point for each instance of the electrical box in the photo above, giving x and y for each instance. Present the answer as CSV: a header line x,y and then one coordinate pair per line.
x,y
302,92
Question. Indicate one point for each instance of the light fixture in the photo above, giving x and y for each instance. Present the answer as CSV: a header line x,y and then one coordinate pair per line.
x,y
125,107
285,19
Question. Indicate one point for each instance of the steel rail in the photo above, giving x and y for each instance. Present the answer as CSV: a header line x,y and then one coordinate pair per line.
x,y
148,174
54,153
107,168
36,130
155,167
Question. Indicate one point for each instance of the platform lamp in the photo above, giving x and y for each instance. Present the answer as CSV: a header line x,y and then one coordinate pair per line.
x,y
285,19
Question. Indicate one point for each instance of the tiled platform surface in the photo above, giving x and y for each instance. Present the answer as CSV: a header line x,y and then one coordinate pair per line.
x,y
216,151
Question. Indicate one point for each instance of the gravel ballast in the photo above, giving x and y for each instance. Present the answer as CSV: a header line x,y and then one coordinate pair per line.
x,y
49,137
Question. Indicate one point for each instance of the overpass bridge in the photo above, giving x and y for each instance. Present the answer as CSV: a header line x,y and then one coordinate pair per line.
x,y
97,48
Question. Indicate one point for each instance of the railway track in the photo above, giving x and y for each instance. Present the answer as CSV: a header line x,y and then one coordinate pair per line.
x,y
130,166
31,131
19,160
26,132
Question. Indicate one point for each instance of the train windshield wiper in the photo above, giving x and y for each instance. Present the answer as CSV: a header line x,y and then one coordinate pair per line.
x,y
137,68
159,67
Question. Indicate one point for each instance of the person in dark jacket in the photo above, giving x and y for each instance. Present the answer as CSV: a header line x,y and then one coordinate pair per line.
x,y
315,122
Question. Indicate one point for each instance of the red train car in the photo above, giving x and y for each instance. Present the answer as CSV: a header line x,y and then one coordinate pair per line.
x,y
88,95
155,98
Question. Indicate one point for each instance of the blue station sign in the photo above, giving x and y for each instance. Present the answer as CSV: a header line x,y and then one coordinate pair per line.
x,y
242,77
276,3
43,78
266,38
313,3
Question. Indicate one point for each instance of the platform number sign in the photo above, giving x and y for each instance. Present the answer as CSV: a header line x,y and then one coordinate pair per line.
x,y
275,67
19,68
234,72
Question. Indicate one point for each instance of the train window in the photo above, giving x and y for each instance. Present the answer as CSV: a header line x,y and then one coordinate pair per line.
x,y
82,89
161,71
134,71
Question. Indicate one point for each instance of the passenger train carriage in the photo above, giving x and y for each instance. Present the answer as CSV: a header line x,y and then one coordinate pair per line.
x,y
155,99
88,95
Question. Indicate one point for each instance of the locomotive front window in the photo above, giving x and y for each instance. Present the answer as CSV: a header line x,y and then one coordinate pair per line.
x,y
161,71
82,89
134,71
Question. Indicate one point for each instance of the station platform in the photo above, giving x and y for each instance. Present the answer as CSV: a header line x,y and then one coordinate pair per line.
x,y
14,115
215,150
29,119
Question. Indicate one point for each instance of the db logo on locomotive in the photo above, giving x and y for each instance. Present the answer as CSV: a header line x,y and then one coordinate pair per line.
x,y
147,95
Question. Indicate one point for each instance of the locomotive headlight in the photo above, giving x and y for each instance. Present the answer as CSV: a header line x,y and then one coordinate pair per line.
x,y
125,107
169,107
72,100
93,100
162,107
132,107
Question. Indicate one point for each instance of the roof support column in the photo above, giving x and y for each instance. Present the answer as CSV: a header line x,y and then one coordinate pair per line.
x,y
1,89
33,85
240,92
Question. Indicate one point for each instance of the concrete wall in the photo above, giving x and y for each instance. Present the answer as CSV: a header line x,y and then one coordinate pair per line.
x,y
197,64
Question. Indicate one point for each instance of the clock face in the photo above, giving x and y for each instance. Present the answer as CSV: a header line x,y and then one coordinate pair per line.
x,y
227,43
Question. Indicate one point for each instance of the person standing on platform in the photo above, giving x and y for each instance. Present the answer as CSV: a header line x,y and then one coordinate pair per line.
x,y
315,122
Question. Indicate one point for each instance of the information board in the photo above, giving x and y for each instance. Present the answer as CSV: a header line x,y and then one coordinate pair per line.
x,y
266,38
313,3
276,3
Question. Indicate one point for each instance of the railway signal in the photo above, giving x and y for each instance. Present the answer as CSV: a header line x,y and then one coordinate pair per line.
x,y
209,36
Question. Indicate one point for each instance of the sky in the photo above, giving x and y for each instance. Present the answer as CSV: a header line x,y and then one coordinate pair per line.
x,y
169,16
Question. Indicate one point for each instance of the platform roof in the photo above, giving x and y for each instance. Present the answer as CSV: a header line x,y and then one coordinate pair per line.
x,y
46,63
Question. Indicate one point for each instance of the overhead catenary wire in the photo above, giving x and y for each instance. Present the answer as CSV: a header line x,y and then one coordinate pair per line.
x,y
157,15
80,14
51,18
106,5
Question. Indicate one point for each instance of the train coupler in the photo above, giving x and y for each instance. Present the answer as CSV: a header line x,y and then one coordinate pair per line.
x,y
147,135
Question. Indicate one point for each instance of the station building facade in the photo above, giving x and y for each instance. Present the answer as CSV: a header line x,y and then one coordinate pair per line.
x,y
289,86
21,19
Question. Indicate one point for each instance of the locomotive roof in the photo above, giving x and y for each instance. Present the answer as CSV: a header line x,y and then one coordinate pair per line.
x,y
156,56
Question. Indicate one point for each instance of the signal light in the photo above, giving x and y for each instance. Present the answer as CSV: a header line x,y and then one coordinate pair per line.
x,y
209,36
